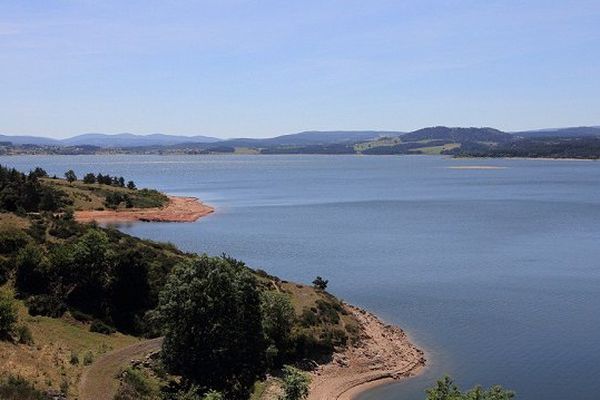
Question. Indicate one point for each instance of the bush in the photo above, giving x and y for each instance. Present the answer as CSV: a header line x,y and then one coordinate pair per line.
x,y
17,388
81,316
320,283
445,389
88,358
5,268
74,360
24,335
12,240
308,318
46,305
8,315
295,384
328,311
136,385
101,327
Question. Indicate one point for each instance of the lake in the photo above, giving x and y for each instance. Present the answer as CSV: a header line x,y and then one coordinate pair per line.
x,y
495,273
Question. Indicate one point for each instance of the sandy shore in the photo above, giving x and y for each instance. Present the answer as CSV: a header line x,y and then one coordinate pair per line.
x,y
179,209
383,355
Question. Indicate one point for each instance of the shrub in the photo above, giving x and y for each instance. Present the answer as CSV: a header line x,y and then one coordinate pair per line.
x,y
5,268
88,358
74,360
101,327
295,384
445,389
136,385
81,316
213,395
24,335
308,318
328,311
17,388
12,240
46,305
8,314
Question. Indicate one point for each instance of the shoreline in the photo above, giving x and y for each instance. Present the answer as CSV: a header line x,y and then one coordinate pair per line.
x,y
383,355
179,209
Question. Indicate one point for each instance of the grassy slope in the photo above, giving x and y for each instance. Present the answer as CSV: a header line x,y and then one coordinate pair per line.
x,y
46,363
92,196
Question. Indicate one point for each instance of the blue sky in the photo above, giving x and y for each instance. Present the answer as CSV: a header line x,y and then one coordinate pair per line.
x,y
234,68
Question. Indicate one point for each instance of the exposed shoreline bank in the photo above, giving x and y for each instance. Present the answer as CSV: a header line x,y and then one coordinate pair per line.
x,y
383,355
179,209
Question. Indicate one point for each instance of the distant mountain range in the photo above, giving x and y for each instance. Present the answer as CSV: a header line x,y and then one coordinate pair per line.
x,y
307,138
106,140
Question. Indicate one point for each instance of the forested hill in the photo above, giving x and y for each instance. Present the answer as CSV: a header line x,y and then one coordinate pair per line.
x,y
455,141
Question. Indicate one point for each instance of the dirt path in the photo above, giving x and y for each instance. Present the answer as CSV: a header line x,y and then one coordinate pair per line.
x,y
98,381
179,209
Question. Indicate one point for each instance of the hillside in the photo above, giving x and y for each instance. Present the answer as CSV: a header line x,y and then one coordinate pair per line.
x,y
437,140
103,140
81,290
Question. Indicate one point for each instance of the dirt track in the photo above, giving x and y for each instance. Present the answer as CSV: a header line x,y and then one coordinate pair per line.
x,y
98,381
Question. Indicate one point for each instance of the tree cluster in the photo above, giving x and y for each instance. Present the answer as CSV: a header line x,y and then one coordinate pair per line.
x,y
119,181
21,192
446,389
100,274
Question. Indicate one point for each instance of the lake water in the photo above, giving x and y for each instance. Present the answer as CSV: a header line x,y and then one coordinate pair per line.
x,y
495,273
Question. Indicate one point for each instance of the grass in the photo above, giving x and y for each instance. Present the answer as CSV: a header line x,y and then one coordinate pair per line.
x,y
10,221
47,363
377,143
435,150
306,297
92,196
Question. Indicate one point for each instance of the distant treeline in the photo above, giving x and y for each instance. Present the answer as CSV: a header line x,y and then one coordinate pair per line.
x,y
583,148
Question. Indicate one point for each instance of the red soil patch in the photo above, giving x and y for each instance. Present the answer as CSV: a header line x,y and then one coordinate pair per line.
x,y
179,209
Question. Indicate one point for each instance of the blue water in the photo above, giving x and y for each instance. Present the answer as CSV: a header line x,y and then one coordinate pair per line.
x,y
495,273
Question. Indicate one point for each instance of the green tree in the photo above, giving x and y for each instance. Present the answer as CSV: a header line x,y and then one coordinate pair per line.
x,y
295,384
320,283
131,185
210,312
89,178
277,320
31,270
213,395
70,176
446,389
8,314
